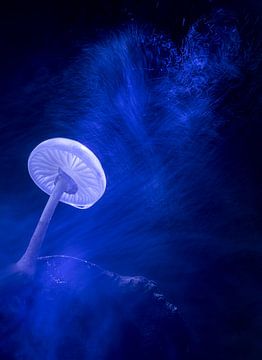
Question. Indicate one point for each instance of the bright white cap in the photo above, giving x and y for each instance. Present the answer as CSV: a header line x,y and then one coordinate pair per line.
x,y
77,161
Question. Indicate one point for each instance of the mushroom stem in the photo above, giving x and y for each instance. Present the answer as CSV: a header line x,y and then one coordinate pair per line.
x,y
27,262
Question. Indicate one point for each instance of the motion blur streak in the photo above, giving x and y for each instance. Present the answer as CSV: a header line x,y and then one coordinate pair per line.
x,y
176,128
152,113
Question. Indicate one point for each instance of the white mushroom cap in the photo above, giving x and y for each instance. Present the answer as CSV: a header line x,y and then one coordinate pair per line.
x,y
77,161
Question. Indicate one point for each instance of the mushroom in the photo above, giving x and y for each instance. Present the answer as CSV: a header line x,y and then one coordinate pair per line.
x,y
69,172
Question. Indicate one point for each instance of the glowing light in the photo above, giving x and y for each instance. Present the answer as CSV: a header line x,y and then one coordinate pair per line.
x,y
69,172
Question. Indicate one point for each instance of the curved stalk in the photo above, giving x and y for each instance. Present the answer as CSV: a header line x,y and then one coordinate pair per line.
x,y
27,262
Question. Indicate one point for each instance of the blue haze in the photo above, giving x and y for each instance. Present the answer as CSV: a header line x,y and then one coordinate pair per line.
x,y
166,121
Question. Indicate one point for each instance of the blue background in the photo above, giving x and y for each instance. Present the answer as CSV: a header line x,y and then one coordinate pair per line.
x,y
167,95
